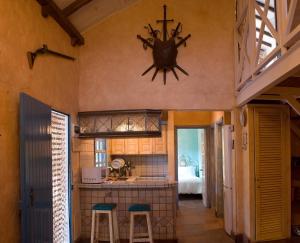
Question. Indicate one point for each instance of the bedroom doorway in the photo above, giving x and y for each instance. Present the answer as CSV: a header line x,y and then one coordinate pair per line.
x,y
191,159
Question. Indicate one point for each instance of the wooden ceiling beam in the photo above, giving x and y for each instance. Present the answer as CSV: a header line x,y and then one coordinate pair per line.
x,y
293,103
285,94
269,97
287,91
272,9
50,8
265,32
74,6
265,43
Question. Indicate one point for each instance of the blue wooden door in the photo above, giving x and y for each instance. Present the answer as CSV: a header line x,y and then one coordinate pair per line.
x,y
35,171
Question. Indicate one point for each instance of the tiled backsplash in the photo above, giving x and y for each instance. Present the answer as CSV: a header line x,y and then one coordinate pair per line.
x,y
146,165
142,165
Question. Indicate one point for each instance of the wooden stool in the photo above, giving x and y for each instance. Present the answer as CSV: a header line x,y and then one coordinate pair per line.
x,y
140,209
110,210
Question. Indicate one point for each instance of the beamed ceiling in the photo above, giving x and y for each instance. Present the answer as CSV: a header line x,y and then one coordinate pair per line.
x,y
76,16
93,11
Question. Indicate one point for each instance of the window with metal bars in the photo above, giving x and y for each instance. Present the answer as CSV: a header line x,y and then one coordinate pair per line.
x,y
60,177
101,153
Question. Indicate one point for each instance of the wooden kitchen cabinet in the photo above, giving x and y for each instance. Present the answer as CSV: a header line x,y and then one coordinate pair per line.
x,y
139,145
131,145
160,144
118,146
145,146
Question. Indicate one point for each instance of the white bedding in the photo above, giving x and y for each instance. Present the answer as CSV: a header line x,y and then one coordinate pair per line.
x,y
188,183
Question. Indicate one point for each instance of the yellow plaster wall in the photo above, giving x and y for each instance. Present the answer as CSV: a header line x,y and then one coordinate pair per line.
x,y
192,118
112,61
53,81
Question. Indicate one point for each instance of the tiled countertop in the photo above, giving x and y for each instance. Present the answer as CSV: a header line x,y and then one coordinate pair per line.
x,y
131,183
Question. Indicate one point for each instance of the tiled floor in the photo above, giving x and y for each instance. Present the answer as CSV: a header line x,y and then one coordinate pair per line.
x,y
197,224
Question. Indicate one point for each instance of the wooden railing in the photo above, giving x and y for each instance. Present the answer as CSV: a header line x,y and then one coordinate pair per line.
x,y
283,31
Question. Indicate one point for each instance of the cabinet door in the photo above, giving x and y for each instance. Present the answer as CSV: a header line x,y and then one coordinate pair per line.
x,y
108,146
160,144
131,146
272,173
118,146
145,146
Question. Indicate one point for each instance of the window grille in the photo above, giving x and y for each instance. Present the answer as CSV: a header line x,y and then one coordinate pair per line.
x,y
100,152
60,177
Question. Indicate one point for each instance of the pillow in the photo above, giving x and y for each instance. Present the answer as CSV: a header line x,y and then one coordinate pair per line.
x,y
188,171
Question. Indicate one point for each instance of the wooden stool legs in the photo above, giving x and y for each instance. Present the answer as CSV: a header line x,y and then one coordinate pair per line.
x,y
147,237
112,224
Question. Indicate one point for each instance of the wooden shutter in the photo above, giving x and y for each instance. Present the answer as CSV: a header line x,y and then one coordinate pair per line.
x,y
272,173
35,171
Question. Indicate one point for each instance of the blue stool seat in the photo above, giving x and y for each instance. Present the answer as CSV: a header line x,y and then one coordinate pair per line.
x,y
139,207
104,206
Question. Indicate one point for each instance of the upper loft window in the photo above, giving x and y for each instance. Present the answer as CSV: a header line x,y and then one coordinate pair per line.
x,y
266,25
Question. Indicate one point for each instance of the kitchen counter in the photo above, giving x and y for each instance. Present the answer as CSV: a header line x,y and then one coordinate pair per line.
x,y
132,182
161,194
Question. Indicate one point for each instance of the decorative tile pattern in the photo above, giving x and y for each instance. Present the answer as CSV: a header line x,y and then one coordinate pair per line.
x,y
163,211
146,165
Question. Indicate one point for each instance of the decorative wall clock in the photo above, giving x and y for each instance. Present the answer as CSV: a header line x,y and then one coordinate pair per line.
x,y
164,51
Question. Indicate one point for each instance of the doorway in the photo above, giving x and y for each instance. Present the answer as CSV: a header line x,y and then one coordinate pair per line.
x,y
190,157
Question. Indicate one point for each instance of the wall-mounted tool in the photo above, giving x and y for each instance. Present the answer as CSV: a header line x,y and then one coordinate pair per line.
x,y
44,50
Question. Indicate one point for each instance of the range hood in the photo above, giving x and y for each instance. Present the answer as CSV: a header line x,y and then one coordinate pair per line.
x,y
121,123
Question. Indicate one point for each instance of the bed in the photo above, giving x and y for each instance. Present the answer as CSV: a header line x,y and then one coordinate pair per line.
x,y
188,182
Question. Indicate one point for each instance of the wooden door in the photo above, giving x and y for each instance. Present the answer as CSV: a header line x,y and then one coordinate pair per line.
x,y
145,146
272,173
118,146
160,144
35,171
131,146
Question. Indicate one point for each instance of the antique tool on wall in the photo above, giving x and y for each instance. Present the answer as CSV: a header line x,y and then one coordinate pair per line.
x,y
31,56
164,51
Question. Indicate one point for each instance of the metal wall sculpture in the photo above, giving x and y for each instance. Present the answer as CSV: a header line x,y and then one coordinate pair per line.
x,y
164,51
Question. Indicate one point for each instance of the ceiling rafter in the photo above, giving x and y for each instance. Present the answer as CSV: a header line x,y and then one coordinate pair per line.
x,y
49,7
265,32
74,6
265,43
270,8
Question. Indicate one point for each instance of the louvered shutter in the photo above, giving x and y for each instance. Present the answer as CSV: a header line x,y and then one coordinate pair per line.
x,y
60,177
272,173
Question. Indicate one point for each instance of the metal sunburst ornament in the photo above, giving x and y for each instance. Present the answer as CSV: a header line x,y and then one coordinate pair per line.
x,y
165,50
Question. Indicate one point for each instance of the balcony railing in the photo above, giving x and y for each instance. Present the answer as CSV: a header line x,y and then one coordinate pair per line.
x,y
265,31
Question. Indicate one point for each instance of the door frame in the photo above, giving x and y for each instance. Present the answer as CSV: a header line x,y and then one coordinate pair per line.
x,y
70,175
207,131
